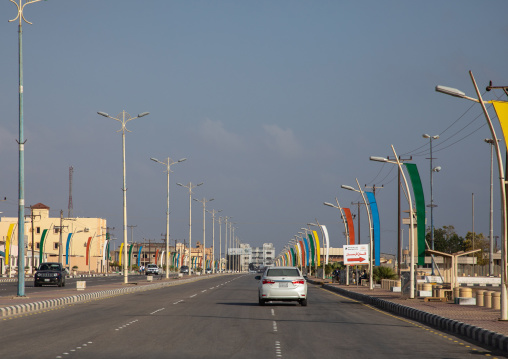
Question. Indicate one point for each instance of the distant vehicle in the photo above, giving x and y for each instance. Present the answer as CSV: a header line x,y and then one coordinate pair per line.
x,y
208,271
152,269
50,273
184,269
282,284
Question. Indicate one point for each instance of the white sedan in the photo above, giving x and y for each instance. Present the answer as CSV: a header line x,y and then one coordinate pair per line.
x,y
282,284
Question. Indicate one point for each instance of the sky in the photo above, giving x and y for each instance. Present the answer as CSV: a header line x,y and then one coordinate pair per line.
x,y
275,105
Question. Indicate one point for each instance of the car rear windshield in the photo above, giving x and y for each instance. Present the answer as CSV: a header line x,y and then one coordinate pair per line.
x,y
283,272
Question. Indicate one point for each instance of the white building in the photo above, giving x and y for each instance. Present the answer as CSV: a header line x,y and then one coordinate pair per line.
x,y
263,256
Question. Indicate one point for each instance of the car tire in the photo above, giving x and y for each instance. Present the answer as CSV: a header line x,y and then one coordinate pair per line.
x,y
60,284
63,284
303,302
261,302
37,285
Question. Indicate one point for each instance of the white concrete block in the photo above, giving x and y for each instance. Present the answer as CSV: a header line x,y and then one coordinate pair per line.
x,y
425,293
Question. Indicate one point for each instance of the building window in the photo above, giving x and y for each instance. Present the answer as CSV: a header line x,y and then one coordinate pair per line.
x,y
56,230
38,245
55,245
38,231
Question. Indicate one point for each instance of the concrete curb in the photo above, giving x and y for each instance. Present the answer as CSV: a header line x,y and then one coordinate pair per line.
x,y
477,334
53,303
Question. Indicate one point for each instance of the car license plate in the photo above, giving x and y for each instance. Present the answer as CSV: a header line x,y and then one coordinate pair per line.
x,y
283,285
46,280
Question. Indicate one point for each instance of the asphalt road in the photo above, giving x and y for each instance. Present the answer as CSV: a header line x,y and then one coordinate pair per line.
x,y
219,317
11,288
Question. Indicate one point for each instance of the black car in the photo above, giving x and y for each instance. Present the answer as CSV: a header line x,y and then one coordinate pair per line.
x,y
50,273
184,269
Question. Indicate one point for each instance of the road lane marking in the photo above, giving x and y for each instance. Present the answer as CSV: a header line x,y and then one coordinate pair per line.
x,y
278,350
274,326
158,310
273,312
178,301
192,296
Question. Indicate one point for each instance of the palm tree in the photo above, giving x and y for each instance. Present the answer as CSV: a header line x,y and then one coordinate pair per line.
x,y
380,273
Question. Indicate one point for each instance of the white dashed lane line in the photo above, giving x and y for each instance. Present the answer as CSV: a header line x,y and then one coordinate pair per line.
x,y
278,350
158,310
126,325
83,346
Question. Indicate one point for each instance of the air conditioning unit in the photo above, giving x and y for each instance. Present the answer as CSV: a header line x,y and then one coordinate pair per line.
x,y
87,229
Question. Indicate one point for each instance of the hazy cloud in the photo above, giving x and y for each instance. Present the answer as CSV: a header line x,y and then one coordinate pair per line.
x,y
214,133
282,141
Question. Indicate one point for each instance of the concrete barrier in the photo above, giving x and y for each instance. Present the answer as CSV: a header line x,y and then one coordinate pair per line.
x,y
496,300
80,285
479,297
487,298
465,292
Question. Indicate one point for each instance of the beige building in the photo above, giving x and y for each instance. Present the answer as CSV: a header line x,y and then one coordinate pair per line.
x,y
46,237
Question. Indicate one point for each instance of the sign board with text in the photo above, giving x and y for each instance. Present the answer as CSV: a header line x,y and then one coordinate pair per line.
x,y
357,254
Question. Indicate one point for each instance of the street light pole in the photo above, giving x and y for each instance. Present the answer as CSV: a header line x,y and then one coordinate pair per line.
x,y
213,212
490,141
190,186
346,229
21,144
125,117
204,201
432,170
456,93
169,162
371,284
411,220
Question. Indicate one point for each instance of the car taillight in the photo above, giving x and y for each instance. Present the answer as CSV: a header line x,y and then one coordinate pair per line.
x,y
267,281
298,282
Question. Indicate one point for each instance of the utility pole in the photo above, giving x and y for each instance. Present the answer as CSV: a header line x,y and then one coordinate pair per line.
x,y
358,204
132,240
399,217
373,188
32,215
60,240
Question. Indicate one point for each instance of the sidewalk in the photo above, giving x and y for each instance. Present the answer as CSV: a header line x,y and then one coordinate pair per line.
x,y
476,323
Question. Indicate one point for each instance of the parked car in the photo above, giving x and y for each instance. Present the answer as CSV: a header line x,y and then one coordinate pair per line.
x,y
282,284
50,273
208,271
152,269
184,269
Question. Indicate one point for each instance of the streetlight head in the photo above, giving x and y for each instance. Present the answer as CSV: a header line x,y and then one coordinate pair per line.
x,y
179,184
436,169
182,159
103,114
143,114
450,91
195,200
327,204
154,159
312,224
199,184
378,159
348,188
435,137
425,135
211,199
